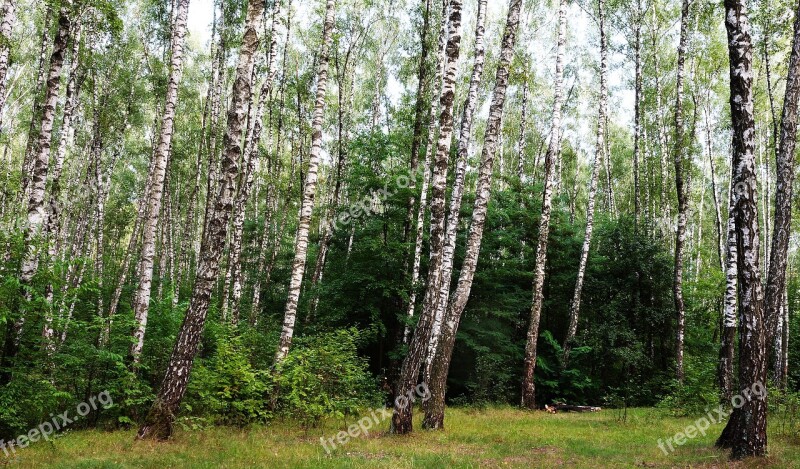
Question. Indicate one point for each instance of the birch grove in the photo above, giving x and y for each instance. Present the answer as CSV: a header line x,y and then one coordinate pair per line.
x,y
274,215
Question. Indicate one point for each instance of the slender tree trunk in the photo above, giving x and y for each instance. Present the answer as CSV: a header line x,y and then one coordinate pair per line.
x,y
785,343
600,145
637,113
776,278
553,154
310,188
158,424
6,27
251,153
272,203
423,83
409,373
36,111
662,134
345,88
726,353
100,211
434,411
426,174
457,193
54,209
218,84
610,199
36,208
141,300
682,190
523,123
717,208
746,431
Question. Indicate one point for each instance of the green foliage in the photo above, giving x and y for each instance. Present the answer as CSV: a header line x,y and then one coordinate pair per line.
x,y
323,376
227,388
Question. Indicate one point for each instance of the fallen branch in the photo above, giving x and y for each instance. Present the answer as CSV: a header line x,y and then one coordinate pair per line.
x,y
570,408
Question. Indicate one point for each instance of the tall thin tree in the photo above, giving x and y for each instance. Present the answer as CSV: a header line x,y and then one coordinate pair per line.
x,y
409,373
310,189
434,411
746,431
141,299
681,187
159,421
600,145
776,277
553,154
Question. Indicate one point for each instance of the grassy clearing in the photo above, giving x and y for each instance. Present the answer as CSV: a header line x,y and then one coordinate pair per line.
x,y
494,437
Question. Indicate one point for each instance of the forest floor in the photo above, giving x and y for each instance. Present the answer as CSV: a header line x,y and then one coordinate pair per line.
x,y
491,438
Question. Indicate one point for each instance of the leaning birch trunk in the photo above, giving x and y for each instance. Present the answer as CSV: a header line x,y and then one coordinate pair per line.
x,y
6,27
426,175
682,190
344,82
215,93
776,278
251,153
54,208
746,431
426,327
553,154
434,410
409,372
141,300
133,242
36,216
272,204
310,189
600,145
28,160
158,424
457,193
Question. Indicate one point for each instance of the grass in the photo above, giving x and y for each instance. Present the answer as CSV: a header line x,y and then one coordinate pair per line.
x,y
496,437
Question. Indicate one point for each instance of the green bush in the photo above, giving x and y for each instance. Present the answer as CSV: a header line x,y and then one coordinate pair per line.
x,y
227,389
323,376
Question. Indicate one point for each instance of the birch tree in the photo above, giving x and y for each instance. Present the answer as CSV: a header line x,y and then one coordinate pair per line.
x,y
550,160
434,411
36,207
600,145
159,421
785,161
409,373
161,155
682,190
9,12
746,431
457,193
426,171
310,188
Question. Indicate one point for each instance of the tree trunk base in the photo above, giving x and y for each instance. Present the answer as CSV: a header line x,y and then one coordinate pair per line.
x,y
402,422
158,425
434,420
